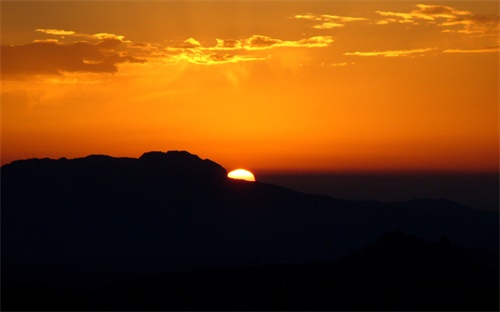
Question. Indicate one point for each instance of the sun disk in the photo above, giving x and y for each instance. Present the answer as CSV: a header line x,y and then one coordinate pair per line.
x,y
241,174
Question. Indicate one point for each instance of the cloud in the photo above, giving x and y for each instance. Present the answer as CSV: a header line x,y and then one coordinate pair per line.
x,y
236,50
258,42
485,50
55,58
227,44
453,20
439,11
328,25
103,52
427,12
404,16
189,43
46,40
57,32
201,58
390,53
314,42
261,42
474,25
105,36
343,64
96,53
325,21
70,33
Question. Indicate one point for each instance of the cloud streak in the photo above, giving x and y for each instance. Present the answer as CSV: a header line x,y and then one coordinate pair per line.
x,y
200,58
258,42
57,32
390,53
326,21
69,33
485,50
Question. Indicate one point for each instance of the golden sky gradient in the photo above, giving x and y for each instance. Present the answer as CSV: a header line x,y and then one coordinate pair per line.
x,y
269,86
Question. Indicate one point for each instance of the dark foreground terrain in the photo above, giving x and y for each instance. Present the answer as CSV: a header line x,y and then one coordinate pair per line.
x,y
400,272
169,231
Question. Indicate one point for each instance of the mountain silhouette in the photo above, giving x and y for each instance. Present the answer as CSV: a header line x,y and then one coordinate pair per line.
x,y
86,224
399,272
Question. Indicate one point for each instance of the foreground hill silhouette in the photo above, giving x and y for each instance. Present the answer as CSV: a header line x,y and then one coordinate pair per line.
x,y
80,228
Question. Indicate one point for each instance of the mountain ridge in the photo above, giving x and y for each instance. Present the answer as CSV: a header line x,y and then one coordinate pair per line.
x,y
168,212
155,158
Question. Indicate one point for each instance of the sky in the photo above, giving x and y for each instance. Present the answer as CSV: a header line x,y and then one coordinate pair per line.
x,y
284,86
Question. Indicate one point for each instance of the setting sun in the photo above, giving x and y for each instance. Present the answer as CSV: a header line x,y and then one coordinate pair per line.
x,y
241,174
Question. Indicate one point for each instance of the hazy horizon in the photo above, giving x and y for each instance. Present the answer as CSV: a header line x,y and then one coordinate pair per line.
x,y
479,190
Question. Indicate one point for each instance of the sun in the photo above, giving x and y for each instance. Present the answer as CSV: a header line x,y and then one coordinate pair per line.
x,y
241,174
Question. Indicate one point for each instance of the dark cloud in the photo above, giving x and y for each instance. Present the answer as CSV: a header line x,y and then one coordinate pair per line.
x,y
54,58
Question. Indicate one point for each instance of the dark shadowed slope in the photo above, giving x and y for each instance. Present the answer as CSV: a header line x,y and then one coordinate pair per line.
x,y
400,272
88,222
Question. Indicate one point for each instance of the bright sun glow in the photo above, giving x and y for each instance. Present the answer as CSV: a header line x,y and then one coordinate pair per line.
x,y
241,174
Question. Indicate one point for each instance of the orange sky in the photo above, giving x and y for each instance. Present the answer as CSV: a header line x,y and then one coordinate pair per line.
x,y
268,86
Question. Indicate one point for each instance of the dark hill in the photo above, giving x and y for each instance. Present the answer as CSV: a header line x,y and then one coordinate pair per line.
x,y
400,272
88,222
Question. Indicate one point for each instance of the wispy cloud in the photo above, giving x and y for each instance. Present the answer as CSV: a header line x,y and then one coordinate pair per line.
x,y
46,40
341,64
390,53
474,25
235,50
326,21
449,18
258,42
230,44
425,12
57,32
105,36
69,33
485,50
200,58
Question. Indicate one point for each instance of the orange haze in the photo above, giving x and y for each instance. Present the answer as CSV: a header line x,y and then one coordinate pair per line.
x,y
271,86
